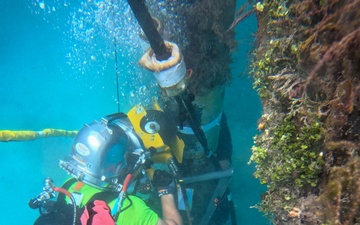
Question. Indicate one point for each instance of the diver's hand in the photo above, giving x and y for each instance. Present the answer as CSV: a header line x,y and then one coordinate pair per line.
x,y
163,182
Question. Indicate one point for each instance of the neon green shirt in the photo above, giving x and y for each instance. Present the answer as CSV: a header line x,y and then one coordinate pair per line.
x,y
137,214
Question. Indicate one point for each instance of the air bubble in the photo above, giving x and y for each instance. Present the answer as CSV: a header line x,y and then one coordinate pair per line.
x,y
42,5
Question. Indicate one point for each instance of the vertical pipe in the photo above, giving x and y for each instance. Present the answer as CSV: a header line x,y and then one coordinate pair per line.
x,y
147,24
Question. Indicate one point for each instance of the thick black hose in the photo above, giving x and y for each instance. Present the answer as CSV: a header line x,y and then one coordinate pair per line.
x,y
185,102
147,24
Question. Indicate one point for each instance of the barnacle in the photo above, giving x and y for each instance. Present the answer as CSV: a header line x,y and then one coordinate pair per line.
x,y
259,7
295,212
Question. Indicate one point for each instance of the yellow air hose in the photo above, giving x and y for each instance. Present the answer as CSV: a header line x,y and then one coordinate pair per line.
x,y
26,135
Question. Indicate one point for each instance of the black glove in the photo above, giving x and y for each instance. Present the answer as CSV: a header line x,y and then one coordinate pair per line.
x,y
163,182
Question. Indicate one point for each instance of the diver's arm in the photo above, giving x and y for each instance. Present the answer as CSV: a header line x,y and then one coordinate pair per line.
x,y
171,215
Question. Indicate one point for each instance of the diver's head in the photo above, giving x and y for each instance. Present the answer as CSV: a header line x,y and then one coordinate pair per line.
x,y
104,152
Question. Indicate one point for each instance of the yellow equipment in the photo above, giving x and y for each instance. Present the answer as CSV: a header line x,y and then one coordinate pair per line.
x,y
156,132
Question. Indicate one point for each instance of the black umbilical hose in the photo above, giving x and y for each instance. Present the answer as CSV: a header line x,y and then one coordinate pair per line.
x,y
147,24
184,101
73,201
162,53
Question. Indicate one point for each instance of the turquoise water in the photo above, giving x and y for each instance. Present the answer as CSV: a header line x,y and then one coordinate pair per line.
x,y
57,71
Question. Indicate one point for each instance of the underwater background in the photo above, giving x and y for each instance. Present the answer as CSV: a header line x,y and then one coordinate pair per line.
x,y
57,70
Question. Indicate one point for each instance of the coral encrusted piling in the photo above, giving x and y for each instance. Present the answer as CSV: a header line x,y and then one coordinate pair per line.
x,y
210,44
306,69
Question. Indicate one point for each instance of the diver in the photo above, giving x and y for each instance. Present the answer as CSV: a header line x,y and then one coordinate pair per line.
x,y
106,160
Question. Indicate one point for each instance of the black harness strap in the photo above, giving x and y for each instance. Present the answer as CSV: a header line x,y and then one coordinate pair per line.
x,y
106,196
91,212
